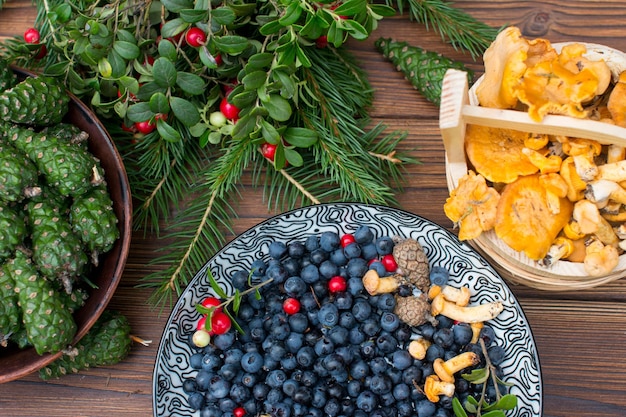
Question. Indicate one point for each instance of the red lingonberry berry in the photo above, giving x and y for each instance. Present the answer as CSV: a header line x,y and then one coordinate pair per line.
x,y
209,302
291,305
268,150
337,284
145,127
195,37
389,263
220,323
239,412
347,239
229,110
32,35
201,325
321,42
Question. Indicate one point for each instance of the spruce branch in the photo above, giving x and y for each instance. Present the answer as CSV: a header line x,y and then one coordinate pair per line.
x,y
455,26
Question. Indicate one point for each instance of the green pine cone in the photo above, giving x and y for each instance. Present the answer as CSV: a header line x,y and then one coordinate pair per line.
x,y
38,101
67,132
94,221
18,175
424,69
107,343
10,314
12,230
71,169
49,325
57,251
7,77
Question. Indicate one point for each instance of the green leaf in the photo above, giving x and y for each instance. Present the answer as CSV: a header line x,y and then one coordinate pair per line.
x,y
185,111
293,157
207,58
126,36
254,80
292,14
139,112
494,413
231,44
215,138
167,50
314,27
383,10
457,408
223,16
259,61
118,64
335,35
269,133
215,286
167,132
173,27
271,28
148,89
159,104
164,72
288,85
63,12
236,301
300,137
355,29
177,6
126,50
193,16
302,58
244,127
477,376
129,83
104,68
351,7
506,402
279,109
190,83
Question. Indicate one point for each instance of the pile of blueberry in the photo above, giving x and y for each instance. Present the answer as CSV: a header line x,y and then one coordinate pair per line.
x,y
315,343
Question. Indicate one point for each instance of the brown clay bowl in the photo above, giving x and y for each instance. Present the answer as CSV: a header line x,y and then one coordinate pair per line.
x,y
16,363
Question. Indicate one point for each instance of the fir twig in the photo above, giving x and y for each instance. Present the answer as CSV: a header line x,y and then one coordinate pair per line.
x,y
456,26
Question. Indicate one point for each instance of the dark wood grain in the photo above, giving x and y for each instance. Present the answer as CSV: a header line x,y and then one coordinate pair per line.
x,y
581,335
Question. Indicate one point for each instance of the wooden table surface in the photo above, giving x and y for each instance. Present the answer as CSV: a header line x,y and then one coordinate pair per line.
x,y
581,336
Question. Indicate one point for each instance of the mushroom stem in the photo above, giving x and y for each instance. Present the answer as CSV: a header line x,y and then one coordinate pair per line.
x,y
375,285
601,191
591,221
466,314
434,387
446,370
459,296
561,248
476,329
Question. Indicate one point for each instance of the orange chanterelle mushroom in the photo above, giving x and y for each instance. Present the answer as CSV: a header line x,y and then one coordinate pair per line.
x,y
496,153
472,206
526,220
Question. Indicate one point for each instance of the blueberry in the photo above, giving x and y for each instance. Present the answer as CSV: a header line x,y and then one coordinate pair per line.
x,y
202,379
211,361
379,268
239,280
298,322
386,302
386,342
347,320
488,335
338,335
427,330
368,251
361,310
295,286
368,350
224,341
229,371
312,243
405,290
434,351
444,337
367,401
338,257
195,400
355,286
310,273
439,276
328,315
258,267
380,384
309,378
288,362
319,398
370,326
411,375
356,336
277,272
249,379
318,256
363,234
404,408
296,250
227,405
352,250
324,346
384,245
496,354
356,267
276,378
251,362
401,359
328,269
260,391
425,408
403,333
378,365
195,361
332,407
305,356
462,333
211,411
277,249
219,387
329,241
343,300
353,387
292,266
189,386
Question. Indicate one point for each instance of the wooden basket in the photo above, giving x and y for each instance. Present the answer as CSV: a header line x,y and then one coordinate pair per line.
x,y
459,107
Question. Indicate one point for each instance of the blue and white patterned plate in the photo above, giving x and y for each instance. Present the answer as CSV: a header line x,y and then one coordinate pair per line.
x,y
466,267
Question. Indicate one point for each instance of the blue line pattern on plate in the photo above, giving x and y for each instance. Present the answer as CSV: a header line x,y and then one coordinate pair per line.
x,y
467,267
